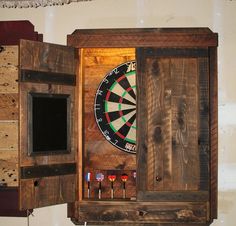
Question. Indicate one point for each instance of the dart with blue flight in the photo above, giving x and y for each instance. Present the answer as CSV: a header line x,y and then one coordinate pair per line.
x,y
88,178
100,178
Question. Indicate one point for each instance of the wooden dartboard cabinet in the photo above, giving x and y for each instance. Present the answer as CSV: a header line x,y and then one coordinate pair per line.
x,y
171,129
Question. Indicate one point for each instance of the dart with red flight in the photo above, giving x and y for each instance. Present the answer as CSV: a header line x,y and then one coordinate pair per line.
x,y
124,178
112,178
100,178
88,178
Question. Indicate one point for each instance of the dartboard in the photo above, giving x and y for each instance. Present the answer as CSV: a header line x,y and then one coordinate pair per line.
x,y
115,107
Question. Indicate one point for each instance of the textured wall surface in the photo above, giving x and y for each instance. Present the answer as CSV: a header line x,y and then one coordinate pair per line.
x,y
219,15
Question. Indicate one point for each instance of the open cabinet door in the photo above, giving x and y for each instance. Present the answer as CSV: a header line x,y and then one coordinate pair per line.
x,y
173,121
47,156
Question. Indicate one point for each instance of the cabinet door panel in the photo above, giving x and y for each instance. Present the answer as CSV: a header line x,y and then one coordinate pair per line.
x,y
47,156
173,123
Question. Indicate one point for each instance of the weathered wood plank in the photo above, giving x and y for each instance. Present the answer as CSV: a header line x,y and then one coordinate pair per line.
x,y
203,137
8,79
9,56
9,135
9,167
143,212
9,106
47,191
141,38
185,127
213,132
38,56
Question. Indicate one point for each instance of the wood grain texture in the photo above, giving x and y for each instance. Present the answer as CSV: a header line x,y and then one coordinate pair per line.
x,y
142,212
39,192
169,95
213,132
204,111
39,56
184,107
142,38
9,106
9,56
98,153
9,135
9,168
9,69
9,116
49,190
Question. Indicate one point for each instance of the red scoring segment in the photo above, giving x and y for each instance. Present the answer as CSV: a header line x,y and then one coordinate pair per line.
x,y
121,78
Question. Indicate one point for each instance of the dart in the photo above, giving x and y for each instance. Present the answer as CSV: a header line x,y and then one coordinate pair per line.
x,y
100,178
134,174
112,178
88,177
124,178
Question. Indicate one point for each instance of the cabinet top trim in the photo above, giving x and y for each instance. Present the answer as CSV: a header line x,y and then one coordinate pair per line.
x,y
143,37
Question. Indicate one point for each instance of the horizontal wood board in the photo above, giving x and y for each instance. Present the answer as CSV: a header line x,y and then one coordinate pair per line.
x,y
143,212
38,56
156,37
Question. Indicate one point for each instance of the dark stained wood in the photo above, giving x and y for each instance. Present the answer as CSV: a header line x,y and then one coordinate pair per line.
x,y
45,191
12,31
142,212
142,38
47,170
213,132
203,139
47,57
47,77
172,162
39,190
187,196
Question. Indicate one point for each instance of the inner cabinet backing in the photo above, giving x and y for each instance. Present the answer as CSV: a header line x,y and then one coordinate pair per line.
x,y
100,156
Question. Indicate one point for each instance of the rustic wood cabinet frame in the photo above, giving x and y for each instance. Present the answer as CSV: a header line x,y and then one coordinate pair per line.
x,y
200,43
176,79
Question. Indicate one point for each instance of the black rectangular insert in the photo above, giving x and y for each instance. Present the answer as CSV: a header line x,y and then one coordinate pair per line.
x,y
49,123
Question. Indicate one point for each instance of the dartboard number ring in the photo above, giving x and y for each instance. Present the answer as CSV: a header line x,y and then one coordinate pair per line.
x,y
115,107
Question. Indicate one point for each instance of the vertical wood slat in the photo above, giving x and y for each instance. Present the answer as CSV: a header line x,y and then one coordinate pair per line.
x,y
184,120
213,132
185,73
203,139
141,113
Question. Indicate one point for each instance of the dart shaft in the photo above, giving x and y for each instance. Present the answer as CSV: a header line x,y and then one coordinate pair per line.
x,y
124,193
100,190
112,193
88,193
